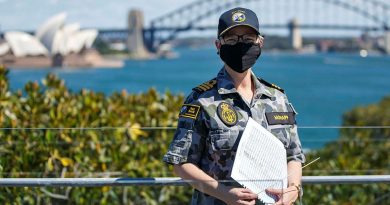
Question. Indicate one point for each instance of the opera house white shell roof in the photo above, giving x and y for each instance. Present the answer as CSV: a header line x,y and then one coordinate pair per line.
x,y
61,37
46,32
53,37
80,40
70,40
4,48
24,44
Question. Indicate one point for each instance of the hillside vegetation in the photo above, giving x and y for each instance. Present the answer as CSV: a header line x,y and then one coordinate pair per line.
x,y
124,147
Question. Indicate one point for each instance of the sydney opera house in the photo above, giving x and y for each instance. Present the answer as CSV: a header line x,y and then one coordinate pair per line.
x,y
54,44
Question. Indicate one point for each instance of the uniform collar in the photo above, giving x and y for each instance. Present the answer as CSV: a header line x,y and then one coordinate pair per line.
x,y
225,84
261,89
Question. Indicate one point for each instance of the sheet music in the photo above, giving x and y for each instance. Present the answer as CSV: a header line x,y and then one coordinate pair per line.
x,y
260,161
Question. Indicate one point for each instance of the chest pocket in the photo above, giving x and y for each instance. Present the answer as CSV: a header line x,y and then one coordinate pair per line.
x,y
223,140
282,132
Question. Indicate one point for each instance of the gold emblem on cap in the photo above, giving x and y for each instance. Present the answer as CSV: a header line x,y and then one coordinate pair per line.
x,y
227,114
238,17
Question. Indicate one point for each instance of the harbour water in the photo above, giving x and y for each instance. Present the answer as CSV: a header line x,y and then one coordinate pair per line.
x,y
321,86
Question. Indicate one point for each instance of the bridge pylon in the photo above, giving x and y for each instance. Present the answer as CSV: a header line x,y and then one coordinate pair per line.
x,y
387,41
295,34
135,39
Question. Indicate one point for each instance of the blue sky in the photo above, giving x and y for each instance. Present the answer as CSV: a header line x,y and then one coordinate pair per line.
x,y
29,14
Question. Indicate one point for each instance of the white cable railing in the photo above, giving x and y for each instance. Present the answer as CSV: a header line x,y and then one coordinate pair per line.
x,y
173,128
166,181
89,181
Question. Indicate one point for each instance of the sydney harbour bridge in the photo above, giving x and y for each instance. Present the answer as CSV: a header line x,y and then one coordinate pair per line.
x,y
296,17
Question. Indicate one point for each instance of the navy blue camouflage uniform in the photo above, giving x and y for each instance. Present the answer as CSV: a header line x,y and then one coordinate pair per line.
x,y
209,139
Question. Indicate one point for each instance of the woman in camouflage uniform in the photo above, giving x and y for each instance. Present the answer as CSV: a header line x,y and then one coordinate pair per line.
x,y
214,116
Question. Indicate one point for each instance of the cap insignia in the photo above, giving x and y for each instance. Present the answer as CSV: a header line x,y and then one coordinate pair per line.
x,y
238,17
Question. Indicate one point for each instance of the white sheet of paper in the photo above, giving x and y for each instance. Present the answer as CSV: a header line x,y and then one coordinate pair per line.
x,y
260,162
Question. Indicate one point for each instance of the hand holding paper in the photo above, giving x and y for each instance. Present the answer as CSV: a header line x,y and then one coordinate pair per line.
x,y
260,162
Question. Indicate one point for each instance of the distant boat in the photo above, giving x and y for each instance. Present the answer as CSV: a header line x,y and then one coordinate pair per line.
x,y
165,51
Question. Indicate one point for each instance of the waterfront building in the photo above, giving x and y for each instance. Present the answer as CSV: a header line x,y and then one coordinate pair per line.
x,y
54,44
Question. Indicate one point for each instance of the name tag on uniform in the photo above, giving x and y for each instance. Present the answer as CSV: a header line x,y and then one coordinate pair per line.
x,y
280,118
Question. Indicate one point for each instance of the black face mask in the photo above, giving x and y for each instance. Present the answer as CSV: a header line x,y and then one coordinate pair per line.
x,y
240,56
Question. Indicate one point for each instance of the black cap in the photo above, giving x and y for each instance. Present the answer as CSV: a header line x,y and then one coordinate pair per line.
x,y
237,17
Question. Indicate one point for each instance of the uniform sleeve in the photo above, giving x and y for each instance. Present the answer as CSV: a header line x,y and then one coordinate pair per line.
x,y
189,140
294,150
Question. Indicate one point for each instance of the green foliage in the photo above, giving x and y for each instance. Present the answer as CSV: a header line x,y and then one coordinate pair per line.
x,y
137,152
357,152
46,152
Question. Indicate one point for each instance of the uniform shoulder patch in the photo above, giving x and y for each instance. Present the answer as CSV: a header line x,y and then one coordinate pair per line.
x,y
271,85
205,86
189,111
227,114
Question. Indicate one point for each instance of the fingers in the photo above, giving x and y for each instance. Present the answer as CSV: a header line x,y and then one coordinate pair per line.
x,y
243,202
280,202
247,196
246,190
274,191
287,198
241,196
250,196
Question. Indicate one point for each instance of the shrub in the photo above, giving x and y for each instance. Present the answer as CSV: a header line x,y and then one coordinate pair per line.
x,y
31,148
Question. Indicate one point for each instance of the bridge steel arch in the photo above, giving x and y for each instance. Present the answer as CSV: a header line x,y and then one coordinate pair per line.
x,y
341,3
191,13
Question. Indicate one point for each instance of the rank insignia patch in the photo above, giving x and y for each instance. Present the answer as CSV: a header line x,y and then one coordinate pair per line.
x,y
206,86
227,114
189,111
280,118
